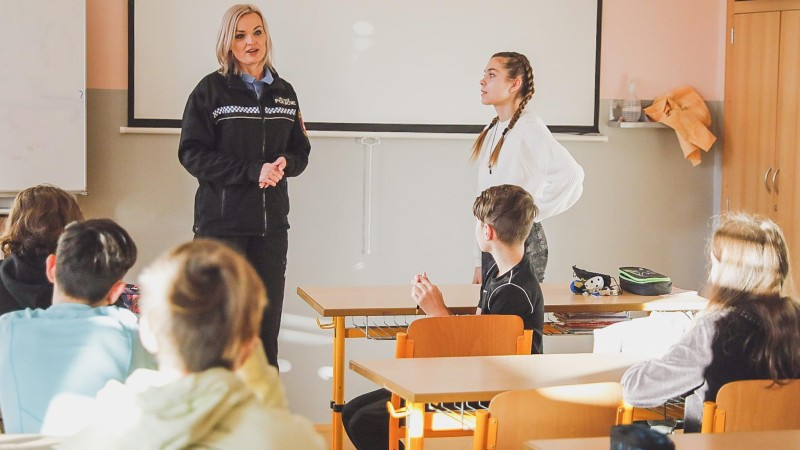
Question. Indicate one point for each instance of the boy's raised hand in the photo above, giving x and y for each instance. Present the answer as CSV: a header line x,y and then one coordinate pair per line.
x,y
428,296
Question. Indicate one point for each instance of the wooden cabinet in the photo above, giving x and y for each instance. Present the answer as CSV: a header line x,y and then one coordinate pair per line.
x,y
760,163
788,134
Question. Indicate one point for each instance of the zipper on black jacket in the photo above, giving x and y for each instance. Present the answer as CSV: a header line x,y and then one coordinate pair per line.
x,y
264,156
222,209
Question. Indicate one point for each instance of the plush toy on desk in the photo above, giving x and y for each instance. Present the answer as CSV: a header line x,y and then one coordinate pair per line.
x,y
594,284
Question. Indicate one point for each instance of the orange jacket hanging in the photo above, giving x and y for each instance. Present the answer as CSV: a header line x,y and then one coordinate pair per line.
x,y
685,111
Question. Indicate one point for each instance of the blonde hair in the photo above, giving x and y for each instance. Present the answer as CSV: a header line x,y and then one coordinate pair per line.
x,y
751,276
748,255
36,220
517,66
203,302
227,33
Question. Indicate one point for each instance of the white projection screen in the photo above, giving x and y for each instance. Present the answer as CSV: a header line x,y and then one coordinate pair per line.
x,y
366,65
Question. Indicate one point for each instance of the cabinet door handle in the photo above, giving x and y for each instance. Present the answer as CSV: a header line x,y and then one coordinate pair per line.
x,y
775,180
766,179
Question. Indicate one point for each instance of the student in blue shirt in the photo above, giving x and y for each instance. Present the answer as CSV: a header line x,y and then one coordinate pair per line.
x,y
70,350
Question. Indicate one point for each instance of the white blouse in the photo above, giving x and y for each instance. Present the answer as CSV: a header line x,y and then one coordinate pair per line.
x,y
532,159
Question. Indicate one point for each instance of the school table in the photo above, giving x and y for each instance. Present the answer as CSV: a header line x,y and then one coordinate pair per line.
x,y
340,302
479,378
743,440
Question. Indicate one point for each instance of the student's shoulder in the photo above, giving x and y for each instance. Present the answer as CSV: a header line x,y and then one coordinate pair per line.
x,y
530,120
515,295
710,316
277,429
523,275
122,315
704,325
533,129
22,314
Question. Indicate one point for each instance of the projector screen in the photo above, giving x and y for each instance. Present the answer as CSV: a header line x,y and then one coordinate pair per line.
x,y
365,65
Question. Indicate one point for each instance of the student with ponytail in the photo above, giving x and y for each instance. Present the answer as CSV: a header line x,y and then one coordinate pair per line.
x,y
517,148
750,329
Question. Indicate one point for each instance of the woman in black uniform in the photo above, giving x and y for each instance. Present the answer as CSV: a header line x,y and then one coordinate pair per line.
x,y
242,135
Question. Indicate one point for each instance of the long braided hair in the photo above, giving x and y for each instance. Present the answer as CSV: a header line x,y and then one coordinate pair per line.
x,y
517,66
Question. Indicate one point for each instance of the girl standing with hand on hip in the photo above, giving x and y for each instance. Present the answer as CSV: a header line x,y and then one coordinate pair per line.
x,y
517,148
242,135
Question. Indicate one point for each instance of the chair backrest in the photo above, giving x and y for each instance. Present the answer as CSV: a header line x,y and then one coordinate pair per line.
x,y
753,405
582,410
481,335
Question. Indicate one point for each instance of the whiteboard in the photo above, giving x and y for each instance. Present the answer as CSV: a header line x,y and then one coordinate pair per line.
x,y
42,94
410,65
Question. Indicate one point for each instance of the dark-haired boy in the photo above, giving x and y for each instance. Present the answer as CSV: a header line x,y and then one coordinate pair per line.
x,y
504,216
73,348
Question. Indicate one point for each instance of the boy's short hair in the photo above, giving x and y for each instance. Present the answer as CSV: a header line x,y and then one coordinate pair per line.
x,y
509,209
203,301
91,256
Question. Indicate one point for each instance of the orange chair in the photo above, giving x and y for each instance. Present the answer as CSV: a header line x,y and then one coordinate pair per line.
x,y
753,405
581,410
480,335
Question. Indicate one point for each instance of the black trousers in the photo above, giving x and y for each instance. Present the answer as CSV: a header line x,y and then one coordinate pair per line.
x,y
267,254
366,420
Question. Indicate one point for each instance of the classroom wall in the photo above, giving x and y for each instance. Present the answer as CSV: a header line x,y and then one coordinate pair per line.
x,y
663,45
642,203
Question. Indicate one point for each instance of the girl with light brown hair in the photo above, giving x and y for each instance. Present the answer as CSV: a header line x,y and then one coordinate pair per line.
x,y
38,216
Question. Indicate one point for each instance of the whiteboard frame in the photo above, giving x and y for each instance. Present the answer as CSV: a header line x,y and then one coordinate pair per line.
x,y
333,127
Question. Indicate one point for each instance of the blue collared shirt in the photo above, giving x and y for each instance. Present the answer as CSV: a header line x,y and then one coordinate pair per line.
x,y
257,86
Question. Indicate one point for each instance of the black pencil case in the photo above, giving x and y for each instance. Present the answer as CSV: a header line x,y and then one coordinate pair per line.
x,y
642,281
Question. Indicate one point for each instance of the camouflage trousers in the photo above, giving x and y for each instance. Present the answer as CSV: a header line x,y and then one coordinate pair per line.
x,y
535,249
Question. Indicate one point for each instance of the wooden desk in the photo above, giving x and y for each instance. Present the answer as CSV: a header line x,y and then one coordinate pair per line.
x,y
341,301
352,301
784,440
474,378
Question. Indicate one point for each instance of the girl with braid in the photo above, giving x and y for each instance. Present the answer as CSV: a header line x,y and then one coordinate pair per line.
x,y
517,148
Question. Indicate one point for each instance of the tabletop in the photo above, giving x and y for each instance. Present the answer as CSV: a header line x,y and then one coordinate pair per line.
x,y
333,301
474,378
784,440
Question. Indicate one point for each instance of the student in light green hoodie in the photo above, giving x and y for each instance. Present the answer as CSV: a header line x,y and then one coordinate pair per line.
x,y
201,310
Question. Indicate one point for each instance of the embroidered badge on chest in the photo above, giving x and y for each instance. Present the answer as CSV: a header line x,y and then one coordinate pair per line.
x,y
285,101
